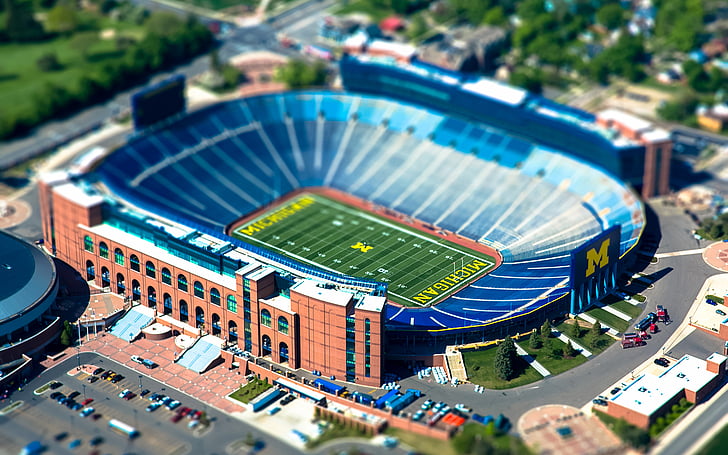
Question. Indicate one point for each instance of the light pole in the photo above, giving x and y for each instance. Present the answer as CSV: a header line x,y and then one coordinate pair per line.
x,y
140,385
78,345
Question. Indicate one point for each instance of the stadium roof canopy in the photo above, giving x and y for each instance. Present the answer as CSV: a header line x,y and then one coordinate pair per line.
x,y
25,276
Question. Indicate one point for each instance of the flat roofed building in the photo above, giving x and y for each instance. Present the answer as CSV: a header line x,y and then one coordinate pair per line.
x,y
649,396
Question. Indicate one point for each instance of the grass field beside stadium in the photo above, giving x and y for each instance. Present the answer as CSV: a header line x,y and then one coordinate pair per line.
x,y
420,269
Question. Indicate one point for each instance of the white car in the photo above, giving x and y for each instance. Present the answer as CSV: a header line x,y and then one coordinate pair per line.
x,y
462,408
124,392
137,359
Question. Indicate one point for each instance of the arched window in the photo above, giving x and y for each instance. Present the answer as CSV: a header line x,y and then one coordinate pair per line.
x,y
216,329
136,291
90,271
134,263
118,256
199,317
152,297
120,286
214,296
183,311
166,276
265,317
182,283
88,244
105,278
266,345
199,290
232,304
283,325
104,250
233,332
150,269
167,302
283,352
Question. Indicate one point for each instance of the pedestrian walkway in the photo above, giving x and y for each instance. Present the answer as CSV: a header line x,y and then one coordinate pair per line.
x,y
456,365
679,253
584,351
212,387
533,362
592,320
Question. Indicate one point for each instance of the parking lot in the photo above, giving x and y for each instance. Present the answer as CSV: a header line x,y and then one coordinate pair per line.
x,y
44,419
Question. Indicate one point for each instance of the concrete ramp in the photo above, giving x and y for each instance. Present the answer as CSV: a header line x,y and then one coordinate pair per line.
x,y
131,324
201,354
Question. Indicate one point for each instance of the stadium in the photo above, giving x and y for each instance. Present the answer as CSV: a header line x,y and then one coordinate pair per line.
x,y
415,209
29,289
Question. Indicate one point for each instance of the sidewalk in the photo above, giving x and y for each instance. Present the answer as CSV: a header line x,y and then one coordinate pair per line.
x,y
211,387
584,351
533,362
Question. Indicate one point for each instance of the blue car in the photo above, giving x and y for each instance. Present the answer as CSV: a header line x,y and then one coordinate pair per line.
x,y
75,443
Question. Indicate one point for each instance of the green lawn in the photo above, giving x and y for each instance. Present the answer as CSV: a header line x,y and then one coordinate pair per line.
x,y
603,343
717,445
627,308
479,366
21,80
419,269
376,14
335,431
609,319
554,365
250,390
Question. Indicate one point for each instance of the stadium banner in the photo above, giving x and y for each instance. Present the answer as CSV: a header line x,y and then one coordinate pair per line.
x,y
594,269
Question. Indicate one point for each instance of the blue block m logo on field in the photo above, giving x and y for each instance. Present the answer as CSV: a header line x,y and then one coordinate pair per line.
x,y
597,258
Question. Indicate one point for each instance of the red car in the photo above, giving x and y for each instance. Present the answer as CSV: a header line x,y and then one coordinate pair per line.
x,y
87,401
196,415
129,396
177,417
184,411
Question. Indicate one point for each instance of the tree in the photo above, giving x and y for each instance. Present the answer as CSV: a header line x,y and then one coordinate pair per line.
x,y
679,108
66,334
417,26
546,329
575,330
595,334
163,23
505,359
299,74
62,18
20,23
495,16
534,341
83,42
527,78
48,62
611,16
569,350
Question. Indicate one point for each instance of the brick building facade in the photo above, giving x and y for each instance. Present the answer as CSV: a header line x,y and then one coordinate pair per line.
x,y
260,306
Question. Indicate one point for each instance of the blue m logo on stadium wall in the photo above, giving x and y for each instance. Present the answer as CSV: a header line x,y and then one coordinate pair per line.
x,y
594,269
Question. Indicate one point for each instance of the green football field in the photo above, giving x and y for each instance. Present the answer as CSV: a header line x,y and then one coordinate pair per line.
x,y
419,269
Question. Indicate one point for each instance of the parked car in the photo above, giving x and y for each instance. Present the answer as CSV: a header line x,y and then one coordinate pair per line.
x,y
129,396
61,436
599,402
711,302
720,312
96,441
87,401
197,415
154,397
76,406
418,415
663,362
92,379
106,374
149,364
96,416
73,394
117,378
86,412
427,405
98,371
75,443
137,359
154,406
124,392
55,395
615,390
273,410
176,417
144,393
55,384
172,405
462,408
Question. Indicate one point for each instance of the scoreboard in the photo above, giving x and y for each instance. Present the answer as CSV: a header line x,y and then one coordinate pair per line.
x,y
158,102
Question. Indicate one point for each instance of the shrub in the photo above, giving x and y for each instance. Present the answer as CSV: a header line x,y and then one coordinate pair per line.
x,y
48,62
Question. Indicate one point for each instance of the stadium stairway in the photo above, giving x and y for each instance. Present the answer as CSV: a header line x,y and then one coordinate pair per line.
x,y
200,355
131,324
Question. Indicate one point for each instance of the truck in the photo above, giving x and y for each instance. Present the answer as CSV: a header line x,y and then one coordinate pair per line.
x,y
662,315
631,340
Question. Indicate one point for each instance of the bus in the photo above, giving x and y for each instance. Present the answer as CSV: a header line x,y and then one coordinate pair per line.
x,y
123,429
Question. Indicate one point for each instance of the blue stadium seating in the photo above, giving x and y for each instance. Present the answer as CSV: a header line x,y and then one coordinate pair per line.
x,y
532,203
